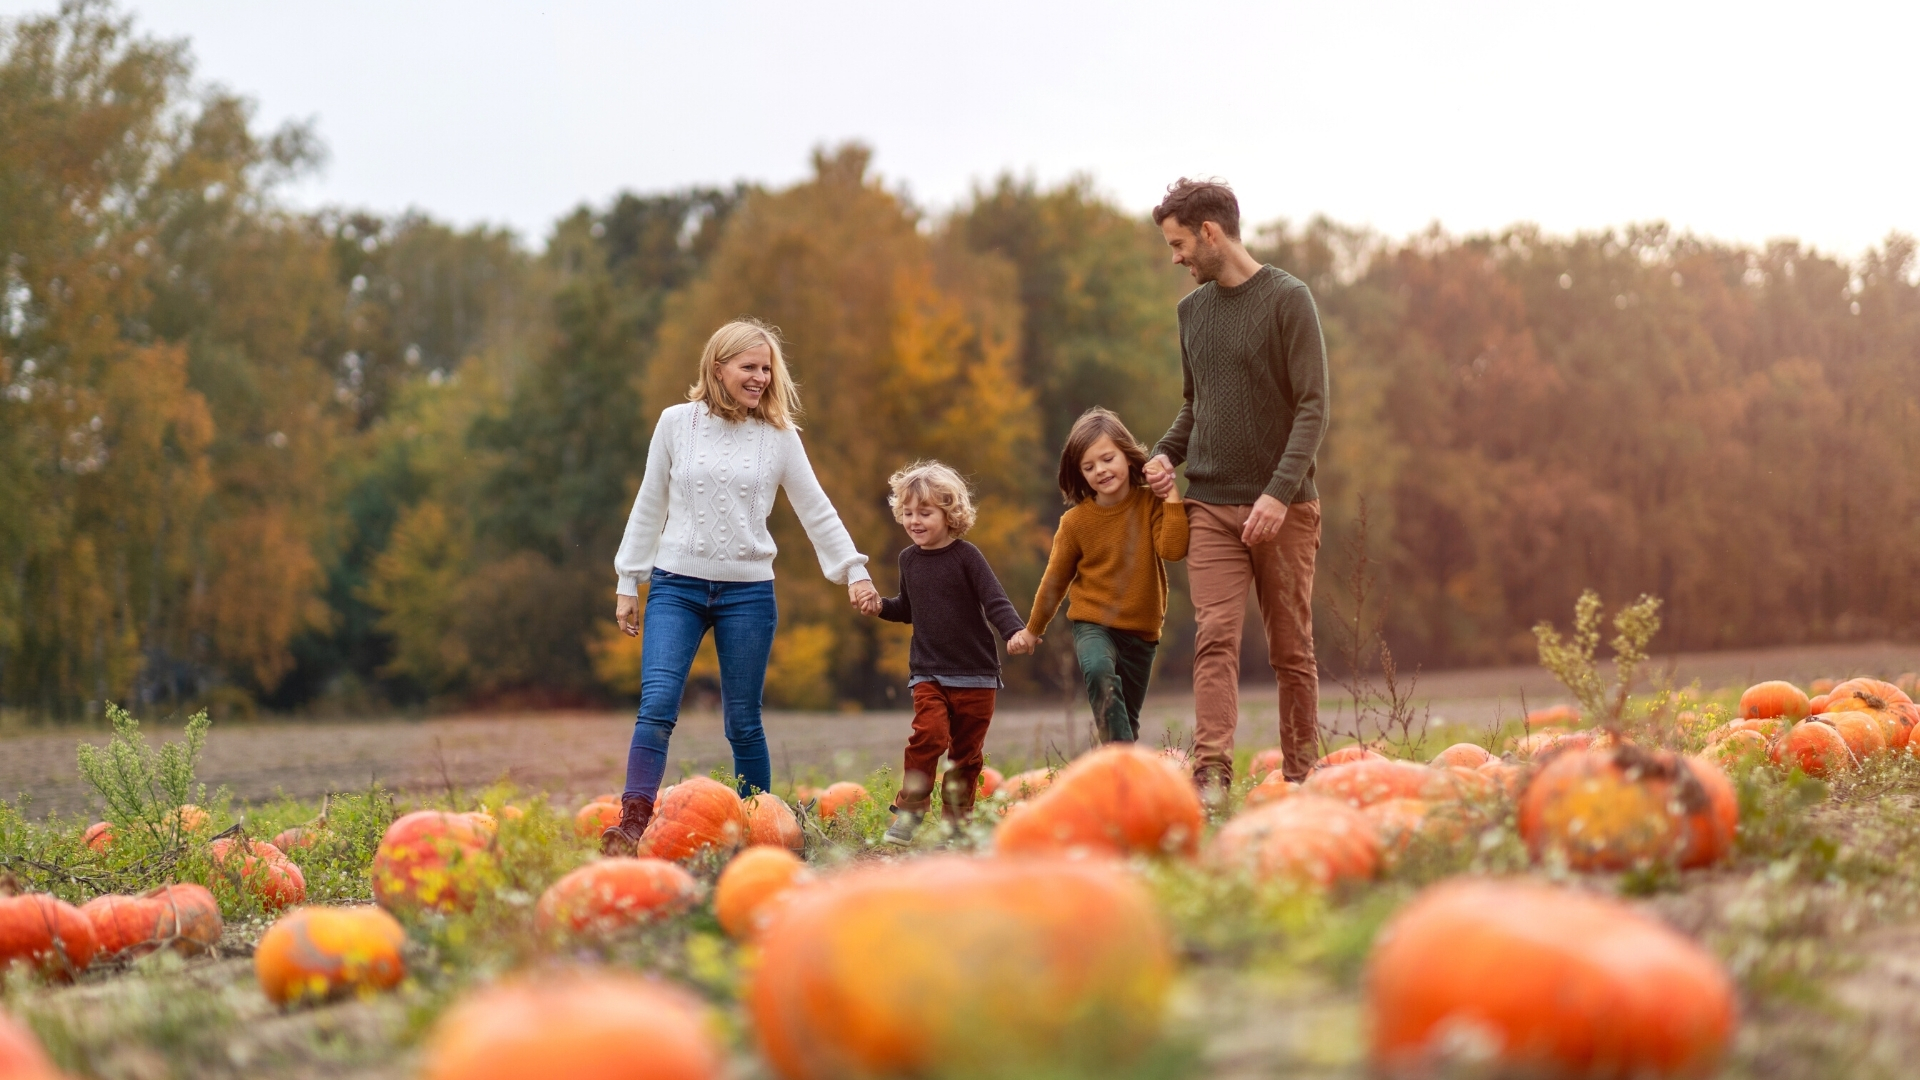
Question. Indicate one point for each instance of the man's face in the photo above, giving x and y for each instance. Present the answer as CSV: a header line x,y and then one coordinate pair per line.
x,y
1194,249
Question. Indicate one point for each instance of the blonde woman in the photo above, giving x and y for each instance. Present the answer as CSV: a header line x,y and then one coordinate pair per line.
x,y
698,536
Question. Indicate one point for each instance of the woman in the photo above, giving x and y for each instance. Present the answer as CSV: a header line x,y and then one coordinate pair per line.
x,y
698,535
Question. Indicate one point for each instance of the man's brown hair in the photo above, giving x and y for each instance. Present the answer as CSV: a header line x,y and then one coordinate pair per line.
x,y
1096,424
1191,202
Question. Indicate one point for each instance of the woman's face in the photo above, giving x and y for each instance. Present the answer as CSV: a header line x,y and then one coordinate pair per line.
x,y
746,376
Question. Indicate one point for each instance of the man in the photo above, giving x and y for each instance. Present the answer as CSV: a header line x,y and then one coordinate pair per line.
x,y
1254,370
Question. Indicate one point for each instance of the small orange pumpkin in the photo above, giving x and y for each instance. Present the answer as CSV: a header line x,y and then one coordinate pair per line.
x,y
1775,698
1027,784
595,818
840,797
695,815
189,818
613,894
1370,780
190,921
1814,747
1553,716
990,781
756,878
1816,704
581,1025
46,933
99,836
1268,761
429,859
770,821
1463,755
264,870
1116,800
1513,976
299,836
1736,747
1308,839
314,953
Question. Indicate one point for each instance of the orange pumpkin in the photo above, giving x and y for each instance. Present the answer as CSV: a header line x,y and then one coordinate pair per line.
x,y
189,818
510,812
1116,800
311,954
1615,809
1711,835
47,934
1397,822
695,815
1371,780
190,920
1517,977
1271,789
1027,784
839,798
1817,704
1537,744
1347,755
1457,784
595,818
1893,712
990,781
1861,730
614,894
300,836
99,836
1764,701
770,821
1001,966
429,859
1266,762
1815,748
756,879
262,870
1464,755
1553,716
1510,777
1767,729
1736,747
128,925
579,1025
21,1057
1308,839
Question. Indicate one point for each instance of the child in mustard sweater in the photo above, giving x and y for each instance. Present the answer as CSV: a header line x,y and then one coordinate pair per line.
x,y
1106,562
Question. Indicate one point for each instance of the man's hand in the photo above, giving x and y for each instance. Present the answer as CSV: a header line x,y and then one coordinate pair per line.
x,y
1263,524
865,598
1160,476
626,612
1022,643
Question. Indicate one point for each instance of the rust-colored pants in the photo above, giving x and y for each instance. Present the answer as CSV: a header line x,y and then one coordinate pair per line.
x,y
950,720
1280,572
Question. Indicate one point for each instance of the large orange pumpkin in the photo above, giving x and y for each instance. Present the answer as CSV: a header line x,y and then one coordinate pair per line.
x,y
595,818
190,919
755,879
1815,748
1764,701
430,859
1002,966
614,894
263,870
20,1055
1615,809
840,798
1464,755
1890,707
45,933
124,925
1116,800
770,821
579,1025
1308,839
695,815
1515,977
1365,782
311,954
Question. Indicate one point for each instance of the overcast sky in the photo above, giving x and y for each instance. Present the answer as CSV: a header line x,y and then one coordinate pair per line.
x,y
1745,121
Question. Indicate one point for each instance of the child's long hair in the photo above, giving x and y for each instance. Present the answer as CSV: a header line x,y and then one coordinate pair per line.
x,y
934,484
1096,424
779,405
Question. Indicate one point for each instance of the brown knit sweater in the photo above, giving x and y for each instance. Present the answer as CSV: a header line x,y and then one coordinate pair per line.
x,y
1106,562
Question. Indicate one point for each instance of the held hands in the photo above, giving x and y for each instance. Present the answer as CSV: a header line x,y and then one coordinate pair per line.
x,y
1263,523
626,612
1022,643
864,597
1160,478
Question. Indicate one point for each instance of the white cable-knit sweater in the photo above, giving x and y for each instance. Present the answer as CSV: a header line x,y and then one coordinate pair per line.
x,y
703,504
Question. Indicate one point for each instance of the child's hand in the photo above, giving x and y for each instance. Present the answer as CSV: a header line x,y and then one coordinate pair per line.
x,y
1022,643
1160,478
865,598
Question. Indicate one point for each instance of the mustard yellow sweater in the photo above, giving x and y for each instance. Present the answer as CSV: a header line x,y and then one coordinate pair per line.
x,y
1106,562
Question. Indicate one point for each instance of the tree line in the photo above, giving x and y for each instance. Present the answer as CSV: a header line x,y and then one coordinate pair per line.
x,y
345,461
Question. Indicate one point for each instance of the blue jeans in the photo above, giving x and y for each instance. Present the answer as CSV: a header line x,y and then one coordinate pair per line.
x,y
680,610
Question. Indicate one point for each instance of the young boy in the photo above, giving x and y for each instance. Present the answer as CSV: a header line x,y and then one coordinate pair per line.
x,y
949,595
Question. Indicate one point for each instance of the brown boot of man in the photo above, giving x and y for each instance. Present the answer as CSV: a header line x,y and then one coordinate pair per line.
x,y
624,838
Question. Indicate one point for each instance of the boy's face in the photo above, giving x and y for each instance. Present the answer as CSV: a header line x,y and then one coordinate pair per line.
x,y
926,524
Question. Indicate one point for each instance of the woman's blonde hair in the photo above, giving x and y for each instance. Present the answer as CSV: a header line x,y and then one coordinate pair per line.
x,y
934,484
779,405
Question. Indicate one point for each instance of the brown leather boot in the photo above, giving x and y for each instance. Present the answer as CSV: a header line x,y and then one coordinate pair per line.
x,y
624,838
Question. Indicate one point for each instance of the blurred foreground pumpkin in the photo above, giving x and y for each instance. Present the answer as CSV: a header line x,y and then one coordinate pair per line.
x,y
1308,839
1622,808
314,953
613,894
581,1026
45,933
1117,800
962,966
1499,978
21,1057
755,879
430,859
695,815
770,822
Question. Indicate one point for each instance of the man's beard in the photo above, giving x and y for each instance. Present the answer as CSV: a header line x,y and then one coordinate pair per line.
x,y
1207,261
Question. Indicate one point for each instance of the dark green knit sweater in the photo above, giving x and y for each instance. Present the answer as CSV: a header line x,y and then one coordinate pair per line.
x,y
1255,372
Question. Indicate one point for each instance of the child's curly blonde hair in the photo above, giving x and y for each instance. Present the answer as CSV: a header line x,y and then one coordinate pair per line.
x,y
934,484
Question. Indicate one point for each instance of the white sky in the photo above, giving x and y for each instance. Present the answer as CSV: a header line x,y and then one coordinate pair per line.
x,y
1744,121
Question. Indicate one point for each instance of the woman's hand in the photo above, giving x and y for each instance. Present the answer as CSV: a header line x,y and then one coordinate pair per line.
x,y
1022,643
865,598
626,612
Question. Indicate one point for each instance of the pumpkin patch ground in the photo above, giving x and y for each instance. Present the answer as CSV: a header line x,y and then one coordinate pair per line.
x,y
1404,912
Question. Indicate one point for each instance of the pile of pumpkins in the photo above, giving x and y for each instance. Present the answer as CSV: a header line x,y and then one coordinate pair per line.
x,y
1835,730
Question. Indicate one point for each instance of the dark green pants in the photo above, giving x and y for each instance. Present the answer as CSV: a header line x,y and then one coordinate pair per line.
x,y
1116,665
